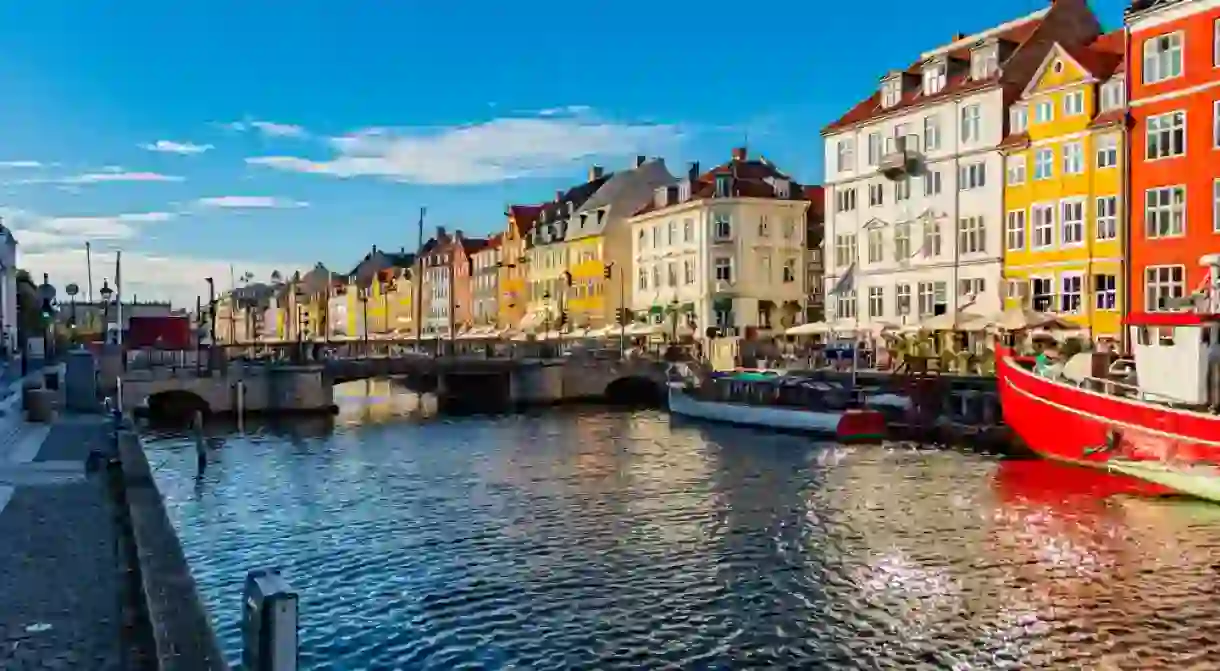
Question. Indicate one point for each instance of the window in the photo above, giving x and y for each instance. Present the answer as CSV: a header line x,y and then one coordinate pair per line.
x,y
1071,286
891,92
1165,136
972,176
902,299
845,200
688,230
1073,158
1044,111
1216,206
1043,219
902,242
845,156
643,281
876,245
845,305
983,62
722,226
1016,170
927,298
874,148
1105,215
723,266
971,235
1107,151
1014,231
1162,285
902,189
1073,103
1044,163
656,276
1216,124
876,302
656,236
1216,43
789,228
1165,212
971,286
1162,58
764,226
971,130
672,232
1112,96
931,238
1042,293
671,274
1105,292
1071,222
1018,119
789,271
876,195
934,78
931,183
688,271
642,239
931,133
724,184
845,250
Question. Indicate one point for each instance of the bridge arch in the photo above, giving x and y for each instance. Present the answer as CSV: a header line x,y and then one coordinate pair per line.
x,y
632,389
176,404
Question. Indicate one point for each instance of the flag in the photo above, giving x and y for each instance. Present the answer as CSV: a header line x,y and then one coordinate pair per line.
x,y
846,283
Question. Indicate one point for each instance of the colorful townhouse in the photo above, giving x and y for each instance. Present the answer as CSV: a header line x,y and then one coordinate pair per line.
x,y
1065,160
548,265
462,277
376,297
599,242
1174,61
723,248
486,265
435,294
914,174
514,269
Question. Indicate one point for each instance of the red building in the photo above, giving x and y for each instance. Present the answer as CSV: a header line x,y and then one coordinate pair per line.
x,y
1173,57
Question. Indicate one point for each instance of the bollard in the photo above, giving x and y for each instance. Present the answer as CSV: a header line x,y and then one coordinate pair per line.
x,y
201,454
269,623
241,405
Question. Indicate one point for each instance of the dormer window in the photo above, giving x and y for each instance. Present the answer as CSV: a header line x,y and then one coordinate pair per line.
x,y
1018,119
659,197
781,187
1112,95
984,61
723,186
935,76
891,91
684,191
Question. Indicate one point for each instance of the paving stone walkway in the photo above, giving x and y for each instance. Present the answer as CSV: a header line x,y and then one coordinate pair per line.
x,y
65,590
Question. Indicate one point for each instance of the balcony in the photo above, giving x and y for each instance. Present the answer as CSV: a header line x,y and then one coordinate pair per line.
x,y
901,157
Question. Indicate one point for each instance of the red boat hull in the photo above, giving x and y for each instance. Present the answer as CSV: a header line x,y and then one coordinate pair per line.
x,y
1060,421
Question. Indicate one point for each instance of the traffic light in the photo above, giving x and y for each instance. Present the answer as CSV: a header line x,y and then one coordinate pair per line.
x,y
47,310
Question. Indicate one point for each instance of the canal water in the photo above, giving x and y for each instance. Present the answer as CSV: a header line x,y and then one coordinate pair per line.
x,y
601,539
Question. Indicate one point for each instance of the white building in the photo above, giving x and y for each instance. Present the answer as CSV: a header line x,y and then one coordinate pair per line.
x,y
724,248
8,291
914,176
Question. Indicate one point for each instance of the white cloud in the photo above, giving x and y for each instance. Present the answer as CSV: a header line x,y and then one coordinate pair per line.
x,y
492,151
19,164
113,175
250,202
267,128
178,279
34,231
171,147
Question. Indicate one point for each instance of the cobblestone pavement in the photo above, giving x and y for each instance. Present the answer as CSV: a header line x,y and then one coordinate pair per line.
x,y
63,579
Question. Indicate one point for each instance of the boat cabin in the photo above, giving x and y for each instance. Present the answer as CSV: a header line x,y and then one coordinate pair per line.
x,y
1174,352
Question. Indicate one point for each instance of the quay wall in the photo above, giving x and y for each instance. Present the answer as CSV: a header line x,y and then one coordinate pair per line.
x,y
280,389
183,638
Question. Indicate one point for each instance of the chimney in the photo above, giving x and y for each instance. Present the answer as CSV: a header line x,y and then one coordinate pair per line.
x,y
559,195
639,160
692,171
957,37
739,153
374,249
595,172
457,235
440,233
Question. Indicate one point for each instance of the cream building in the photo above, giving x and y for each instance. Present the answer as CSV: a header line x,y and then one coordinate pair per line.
x,y
914,175
724,248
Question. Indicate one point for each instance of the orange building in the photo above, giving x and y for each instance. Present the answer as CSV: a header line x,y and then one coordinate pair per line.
x,y
1173,57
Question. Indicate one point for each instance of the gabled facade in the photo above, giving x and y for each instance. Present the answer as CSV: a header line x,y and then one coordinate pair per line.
x,y
914,185
514,270
436,267
725,248
599,236
1065,157
815,234
486,265
1174,62
376,297
464,249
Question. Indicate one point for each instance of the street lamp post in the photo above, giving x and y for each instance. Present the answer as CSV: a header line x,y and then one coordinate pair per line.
x,y
364,315
211,310
72,290
106,292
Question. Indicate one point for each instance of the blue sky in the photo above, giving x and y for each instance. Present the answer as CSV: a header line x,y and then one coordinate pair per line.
x,y
202,133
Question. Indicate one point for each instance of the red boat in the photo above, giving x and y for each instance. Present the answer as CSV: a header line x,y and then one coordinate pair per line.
x,y
1166,415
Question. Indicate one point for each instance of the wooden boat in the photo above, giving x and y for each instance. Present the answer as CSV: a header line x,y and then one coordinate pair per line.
x,y
773,401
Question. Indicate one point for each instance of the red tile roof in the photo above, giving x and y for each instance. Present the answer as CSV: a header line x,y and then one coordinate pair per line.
x,y
524,217
1103,57
1015,140
749,180
957,84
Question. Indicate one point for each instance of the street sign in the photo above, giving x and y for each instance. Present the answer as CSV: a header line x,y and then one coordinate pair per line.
x,y
72,289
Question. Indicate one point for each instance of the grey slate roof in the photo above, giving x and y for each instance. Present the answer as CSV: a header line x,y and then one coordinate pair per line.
x,y
620,197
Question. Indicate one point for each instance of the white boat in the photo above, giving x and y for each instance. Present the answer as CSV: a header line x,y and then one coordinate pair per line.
x,y
853,424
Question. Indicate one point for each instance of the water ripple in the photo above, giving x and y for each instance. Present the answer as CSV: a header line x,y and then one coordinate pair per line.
x,y
620,541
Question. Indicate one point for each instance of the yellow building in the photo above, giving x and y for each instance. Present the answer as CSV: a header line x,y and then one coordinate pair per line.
x,y
375,298
513,300
1064,161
